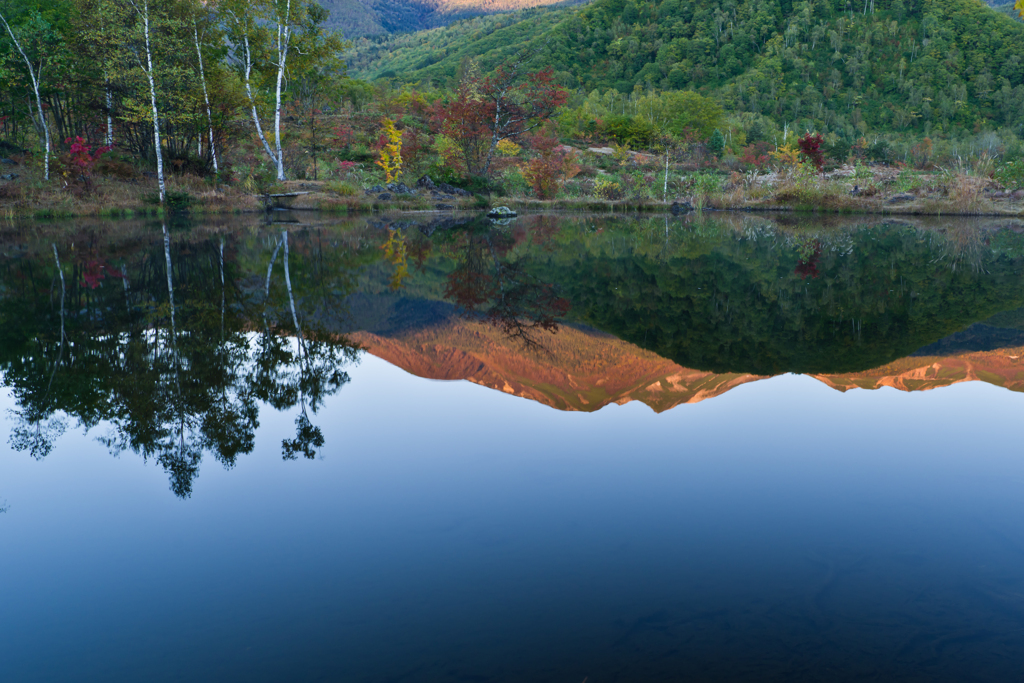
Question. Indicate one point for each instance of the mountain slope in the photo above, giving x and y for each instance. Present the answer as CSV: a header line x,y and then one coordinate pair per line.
x,y
372,17
909,64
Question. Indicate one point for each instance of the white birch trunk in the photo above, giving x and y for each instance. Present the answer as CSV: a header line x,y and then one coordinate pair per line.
x,y
284,34
36,75
110,116
144,14
252,101
664,189
206,98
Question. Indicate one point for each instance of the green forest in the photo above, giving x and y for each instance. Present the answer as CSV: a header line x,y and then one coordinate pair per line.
x,y
883,65
130,106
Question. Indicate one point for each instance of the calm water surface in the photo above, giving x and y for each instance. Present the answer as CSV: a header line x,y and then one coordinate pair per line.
x,y
717,449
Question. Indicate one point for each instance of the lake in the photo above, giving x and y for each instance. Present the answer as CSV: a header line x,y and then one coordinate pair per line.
x,y
727,447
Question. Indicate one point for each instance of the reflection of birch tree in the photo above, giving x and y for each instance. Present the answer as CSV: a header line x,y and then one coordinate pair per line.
x,y
168,362
38,427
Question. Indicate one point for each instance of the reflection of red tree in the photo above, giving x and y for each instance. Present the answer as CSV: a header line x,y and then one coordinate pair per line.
x,y
808,264
93,272
484,283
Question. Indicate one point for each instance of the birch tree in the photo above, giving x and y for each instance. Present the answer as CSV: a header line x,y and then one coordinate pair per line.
x,y
249,21
267,37
35,72
206,92
141,8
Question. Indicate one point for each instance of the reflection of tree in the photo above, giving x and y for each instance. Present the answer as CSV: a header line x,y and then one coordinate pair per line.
x,y
170,362
726,300
318,376
964,248
486,282
37,427
809,252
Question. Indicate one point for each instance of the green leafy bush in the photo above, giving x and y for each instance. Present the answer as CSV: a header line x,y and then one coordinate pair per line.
x,y
514,184
1011,175
341,188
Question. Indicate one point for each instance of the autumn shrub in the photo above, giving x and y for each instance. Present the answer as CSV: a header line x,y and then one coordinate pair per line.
x,y
551,165
810,148
508,148
921,153
390,145
77,165
543,174
786,157
606,188
756,155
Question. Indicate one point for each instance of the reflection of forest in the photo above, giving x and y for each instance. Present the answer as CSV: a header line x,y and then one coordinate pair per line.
x,y
174,340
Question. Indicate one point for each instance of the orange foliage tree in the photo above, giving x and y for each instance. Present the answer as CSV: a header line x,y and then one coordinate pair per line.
x,y
504,106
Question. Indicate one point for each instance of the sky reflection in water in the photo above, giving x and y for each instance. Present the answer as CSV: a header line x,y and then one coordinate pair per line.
x,y
781,530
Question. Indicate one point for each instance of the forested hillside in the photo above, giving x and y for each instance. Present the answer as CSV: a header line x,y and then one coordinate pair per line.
x,y
374,17
926,65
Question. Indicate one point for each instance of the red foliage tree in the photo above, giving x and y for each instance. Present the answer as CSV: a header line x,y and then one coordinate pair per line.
x,y
810,147
551,165
81,157
756,155
504,106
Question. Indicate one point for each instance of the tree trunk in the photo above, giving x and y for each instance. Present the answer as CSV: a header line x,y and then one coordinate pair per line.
x,y
144,14
110,114
284,34
664,190
252,100
206,98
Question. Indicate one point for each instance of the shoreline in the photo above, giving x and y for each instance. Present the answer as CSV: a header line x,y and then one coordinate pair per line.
x,y
121,201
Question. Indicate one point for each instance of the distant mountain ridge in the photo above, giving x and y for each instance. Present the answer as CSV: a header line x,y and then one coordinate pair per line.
x,y
373,17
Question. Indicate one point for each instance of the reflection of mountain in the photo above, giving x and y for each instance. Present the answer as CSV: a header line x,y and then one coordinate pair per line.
x,y
581,370
1002,367
585,370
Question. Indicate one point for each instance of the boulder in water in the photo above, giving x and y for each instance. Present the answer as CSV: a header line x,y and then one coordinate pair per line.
x,y
501,212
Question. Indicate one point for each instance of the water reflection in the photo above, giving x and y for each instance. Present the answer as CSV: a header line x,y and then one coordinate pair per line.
x,y
171,349
173,339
